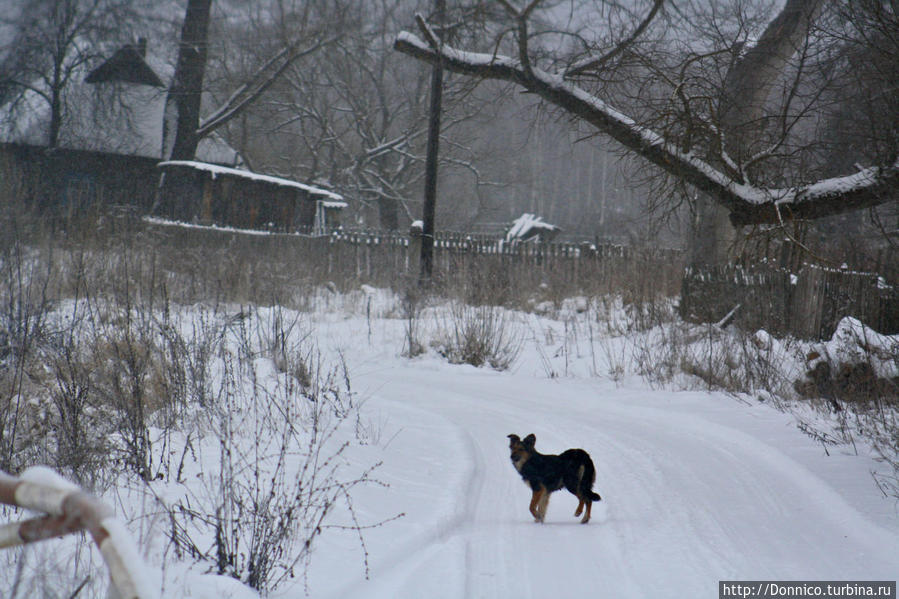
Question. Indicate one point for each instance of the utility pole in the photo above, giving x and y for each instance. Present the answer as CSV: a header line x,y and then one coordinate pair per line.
x,y
427,239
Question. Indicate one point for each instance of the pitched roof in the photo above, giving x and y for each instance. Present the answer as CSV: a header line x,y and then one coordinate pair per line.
x,y
127,65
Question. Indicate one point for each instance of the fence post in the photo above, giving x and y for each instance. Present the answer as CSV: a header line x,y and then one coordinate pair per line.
x,y
413,254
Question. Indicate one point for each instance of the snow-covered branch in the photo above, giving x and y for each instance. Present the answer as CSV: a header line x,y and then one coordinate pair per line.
x,y
747,204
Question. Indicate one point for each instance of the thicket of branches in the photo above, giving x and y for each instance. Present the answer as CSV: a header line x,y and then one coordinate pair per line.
x,y
750,105
109,378
730,98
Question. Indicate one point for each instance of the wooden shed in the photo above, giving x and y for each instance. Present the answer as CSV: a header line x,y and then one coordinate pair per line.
x,y
215,195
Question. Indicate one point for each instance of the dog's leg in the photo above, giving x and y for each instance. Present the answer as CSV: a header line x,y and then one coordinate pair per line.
x,y
535,500
580,506
541,505
577,490
586,517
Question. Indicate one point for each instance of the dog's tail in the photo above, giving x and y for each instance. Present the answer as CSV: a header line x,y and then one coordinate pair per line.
x,y
587,481
586,478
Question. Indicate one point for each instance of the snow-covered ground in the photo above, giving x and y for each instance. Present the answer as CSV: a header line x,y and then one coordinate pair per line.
x,y
697,486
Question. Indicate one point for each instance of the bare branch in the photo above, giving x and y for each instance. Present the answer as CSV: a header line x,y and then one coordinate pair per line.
x,y
592,64
264,77
747,204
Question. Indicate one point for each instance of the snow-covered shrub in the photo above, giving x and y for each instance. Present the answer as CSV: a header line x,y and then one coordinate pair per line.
x,y
855,377
412,304
857,365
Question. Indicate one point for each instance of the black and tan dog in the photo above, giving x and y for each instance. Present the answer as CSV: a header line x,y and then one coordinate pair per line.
x,y
572,469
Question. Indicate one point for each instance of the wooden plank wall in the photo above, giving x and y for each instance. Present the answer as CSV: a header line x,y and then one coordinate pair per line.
x,y
808,304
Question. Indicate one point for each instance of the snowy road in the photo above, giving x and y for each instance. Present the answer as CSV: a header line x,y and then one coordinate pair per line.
x,y
697,488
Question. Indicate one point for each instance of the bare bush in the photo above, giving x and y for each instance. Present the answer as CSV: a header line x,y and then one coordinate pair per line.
x,y
24,304
478,335
280,338
412,305
80,433
186,357
261,506
105,376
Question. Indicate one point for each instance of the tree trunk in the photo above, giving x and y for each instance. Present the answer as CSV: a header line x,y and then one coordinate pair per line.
x,y
750,81
55,106
747,87
712,236
182,106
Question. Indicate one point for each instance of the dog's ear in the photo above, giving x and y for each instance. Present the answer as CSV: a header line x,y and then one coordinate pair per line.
x,y
530,440
514,439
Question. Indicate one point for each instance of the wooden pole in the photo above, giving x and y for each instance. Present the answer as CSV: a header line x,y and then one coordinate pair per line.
x,y
430,200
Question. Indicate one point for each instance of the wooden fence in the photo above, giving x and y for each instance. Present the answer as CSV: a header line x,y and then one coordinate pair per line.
x,y
807,304
487,263
485,268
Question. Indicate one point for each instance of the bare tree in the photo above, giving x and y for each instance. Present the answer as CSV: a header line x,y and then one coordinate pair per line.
x,y
717,95
183,127
355,117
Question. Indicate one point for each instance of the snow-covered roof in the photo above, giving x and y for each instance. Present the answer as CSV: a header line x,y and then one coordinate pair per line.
x,y
106,116
332,200
529,225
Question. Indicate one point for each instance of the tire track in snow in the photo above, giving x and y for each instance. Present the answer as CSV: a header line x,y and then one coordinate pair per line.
x,y
690,501
415,557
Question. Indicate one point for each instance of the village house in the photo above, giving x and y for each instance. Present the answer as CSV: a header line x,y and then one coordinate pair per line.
x,y
109,143
108,153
